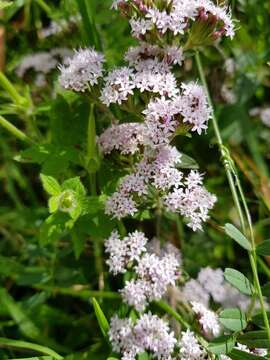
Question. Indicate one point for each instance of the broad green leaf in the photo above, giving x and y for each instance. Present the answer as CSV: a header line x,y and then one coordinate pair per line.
x,y
233,319
238,280
266,289
255,339
78,241
54,159
221,345
74,184
29,346
236,235
101,318
263,248
50,184
236,354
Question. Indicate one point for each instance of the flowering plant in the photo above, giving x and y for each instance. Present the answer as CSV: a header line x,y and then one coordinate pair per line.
x,y
119,173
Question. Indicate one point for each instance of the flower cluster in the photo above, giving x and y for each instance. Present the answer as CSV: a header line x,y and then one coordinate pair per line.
x,y
208,320
158,170
211,283
126,138
190,349
148,333
82,70
153,273
152,19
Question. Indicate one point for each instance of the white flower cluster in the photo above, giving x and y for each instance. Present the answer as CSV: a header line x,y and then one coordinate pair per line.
x,y
42,63
208,320
158,169
148,333
126,138
175,17
211,283
123,252
153,273
190,349
82,70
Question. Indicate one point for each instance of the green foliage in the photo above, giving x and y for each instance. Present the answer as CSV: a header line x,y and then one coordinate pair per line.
x,y
238,280
222,345
233,319
237,236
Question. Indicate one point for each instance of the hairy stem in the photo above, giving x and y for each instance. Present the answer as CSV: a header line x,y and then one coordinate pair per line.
x,y
234,183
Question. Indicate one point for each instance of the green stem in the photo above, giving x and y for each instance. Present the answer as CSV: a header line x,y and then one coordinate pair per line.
x,y
234,183
14,131
45,7
4,342
83,294
13,93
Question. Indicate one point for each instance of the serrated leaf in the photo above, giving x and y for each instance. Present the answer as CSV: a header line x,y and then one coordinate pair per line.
x,y
239,281
263,248
50,185
233,319
101,318
255,339
221,345
53,227
237,236
74,184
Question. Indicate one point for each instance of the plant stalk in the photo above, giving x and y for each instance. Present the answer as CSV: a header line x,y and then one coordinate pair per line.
x,y
10,89
234,183
15,131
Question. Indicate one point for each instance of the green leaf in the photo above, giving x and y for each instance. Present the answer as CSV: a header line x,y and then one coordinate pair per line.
x,y
27,327
50,185
239,281
54,227
263,248
255,339
233,319
101,318
236,354
74,184
29,346
258,319
143,356
53,204
187,162
236,235
222,345
87,12
36,358
54,159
